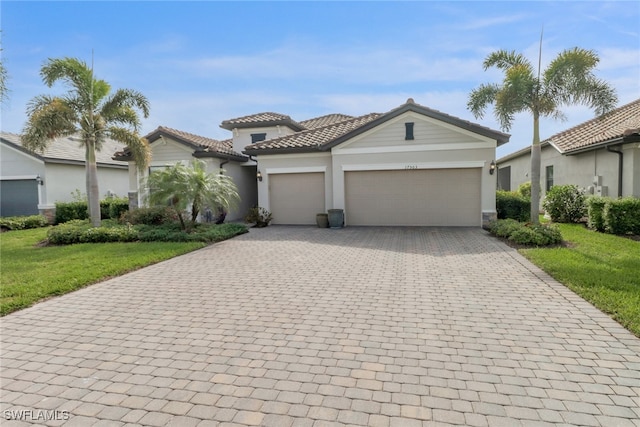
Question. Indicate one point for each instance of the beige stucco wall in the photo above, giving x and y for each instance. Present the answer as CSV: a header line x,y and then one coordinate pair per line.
x,y
61,180
242,137
244,176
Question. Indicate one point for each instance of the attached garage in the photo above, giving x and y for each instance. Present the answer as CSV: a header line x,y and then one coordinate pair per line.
x,y
18,197
296,198
419,197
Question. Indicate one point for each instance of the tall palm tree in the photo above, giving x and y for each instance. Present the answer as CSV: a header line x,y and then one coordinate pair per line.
x,y
89,112
182,185
568,79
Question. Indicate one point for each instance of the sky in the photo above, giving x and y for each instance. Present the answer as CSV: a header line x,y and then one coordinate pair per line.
x,y
203,62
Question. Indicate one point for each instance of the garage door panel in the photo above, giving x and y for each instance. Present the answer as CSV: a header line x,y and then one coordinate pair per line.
x,y
296,198
424,197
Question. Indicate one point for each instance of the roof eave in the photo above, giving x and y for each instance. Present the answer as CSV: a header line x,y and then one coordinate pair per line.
x,y
610,142
289,123
288,150
217,155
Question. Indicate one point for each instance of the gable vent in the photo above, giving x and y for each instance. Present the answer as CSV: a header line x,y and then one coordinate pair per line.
x,y
408,128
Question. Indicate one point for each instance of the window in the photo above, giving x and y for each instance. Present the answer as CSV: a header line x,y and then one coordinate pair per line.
x,y
257,137
504,178
549,178
408,127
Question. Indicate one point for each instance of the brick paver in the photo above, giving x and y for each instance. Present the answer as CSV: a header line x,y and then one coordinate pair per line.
x,y
299,326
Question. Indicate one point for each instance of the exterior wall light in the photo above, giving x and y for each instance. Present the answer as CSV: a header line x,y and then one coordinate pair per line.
x,y
39,179
492,167
259,176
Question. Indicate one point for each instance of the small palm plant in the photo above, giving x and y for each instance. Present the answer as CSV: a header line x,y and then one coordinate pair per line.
x,y
190,186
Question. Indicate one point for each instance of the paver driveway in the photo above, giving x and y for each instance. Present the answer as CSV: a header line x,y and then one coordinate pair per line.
x,y
301,326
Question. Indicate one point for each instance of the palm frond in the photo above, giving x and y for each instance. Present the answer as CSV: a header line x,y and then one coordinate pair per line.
x,y
48,118
138,146
503,60
125,98
481,97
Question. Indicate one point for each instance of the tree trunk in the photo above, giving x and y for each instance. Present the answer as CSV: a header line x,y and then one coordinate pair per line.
x,y
93,192
535,169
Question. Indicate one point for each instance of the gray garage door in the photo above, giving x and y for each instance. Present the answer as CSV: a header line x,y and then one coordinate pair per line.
x,y
423,197
296,198
18,197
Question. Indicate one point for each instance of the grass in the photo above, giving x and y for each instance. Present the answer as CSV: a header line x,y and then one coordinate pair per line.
x,y
602,268
30,273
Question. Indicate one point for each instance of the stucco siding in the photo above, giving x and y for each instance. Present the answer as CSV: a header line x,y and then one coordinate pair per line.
x,y
245,179
17,163
242,137
62,180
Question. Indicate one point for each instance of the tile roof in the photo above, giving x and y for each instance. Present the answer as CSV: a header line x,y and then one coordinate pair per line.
x,y
208,144
329,119
67,149
312,138
598,130
261,119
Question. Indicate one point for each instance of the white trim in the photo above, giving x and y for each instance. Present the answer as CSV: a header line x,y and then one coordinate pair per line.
x,y
18,177
412,148
46,206
413,166
291,156
302,169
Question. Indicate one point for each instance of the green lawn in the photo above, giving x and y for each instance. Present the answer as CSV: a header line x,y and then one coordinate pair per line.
x,y
29,273
604,269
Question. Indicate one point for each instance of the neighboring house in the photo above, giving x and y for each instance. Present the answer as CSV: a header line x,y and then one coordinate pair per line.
x,y
32,183
602,156
410,166
170,146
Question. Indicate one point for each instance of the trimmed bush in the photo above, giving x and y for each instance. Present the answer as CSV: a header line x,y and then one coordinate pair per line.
x,y
511,205
258,215
156,215
564,203
595,212
524,190
23,222
69,211
68,233
526,234
622,216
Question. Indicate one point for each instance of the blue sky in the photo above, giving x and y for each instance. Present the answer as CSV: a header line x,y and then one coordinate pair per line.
x,y
200,63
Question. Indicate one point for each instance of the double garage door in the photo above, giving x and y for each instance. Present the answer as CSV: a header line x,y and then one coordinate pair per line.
x,y
422,197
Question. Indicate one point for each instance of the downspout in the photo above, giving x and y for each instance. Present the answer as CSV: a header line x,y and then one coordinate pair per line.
x,y
620,163
222,164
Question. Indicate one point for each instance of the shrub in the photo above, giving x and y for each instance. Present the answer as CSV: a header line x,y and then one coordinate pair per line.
x,y
595,212
156,215
524,190
622,216
68,211
526,234
114,207
564,203
81,231
68,233
258,215
511,205
23,222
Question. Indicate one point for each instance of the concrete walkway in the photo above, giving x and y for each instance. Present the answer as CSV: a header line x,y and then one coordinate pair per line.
x,y
298,326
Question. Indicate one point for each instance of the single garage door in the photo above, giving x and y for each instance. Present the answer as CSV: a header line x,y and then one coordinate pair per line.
x,y
296,198
18,197
422,197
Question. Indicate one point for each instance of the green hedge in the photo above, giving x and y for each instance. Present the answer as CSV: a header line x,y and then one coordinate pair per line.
x,y
111,208
595,212
23,222
156,215
512,205
622,216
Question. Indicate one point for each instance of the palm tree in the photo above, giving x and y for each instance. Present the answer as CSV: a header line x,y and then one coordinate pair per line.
x,y
568,80
89,112
180,185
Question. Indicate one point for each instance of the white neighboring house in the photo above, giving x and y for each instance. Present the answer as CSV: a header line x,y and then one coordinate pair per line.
x,y
32,183
601,155
170,146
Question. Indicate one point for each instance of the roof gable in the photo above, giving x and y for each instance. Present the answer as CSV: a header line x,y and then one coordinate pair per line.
x,y
267,119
